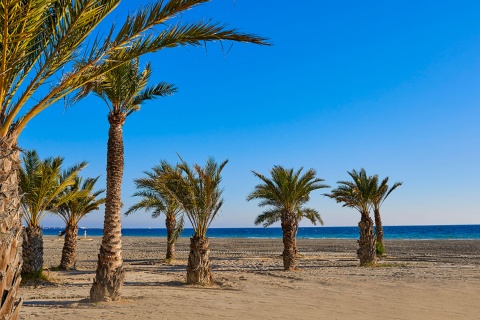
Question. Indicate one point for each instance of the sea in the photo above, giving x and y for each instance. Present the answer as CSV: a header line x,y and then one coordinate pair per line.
x,y
437,232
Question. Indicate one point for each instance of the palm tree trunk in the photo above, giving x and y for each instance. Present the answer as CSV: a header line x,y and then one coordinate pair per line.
x,y
295,239
69,252
10,230
367,244
198,268
110,275
289,242
170,223
32,249
379,233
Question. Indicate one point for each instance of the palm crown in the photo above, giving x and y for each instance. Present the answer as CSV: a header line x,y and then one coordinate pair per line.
x,y
358,193
124,89
155,197
287,191
197,190
42,183
75,209
381,192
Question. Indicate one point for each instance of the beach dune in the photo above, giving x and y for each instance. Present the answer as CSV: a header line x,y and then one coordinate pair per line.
x,y
418,280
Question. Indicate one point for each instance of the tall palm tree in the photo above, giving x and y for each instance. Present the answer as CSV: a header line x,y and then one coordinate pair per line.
x,y
197,190
285,193
72,212
123,90
379,195
42,184
358,194
39,39
269,217
155,198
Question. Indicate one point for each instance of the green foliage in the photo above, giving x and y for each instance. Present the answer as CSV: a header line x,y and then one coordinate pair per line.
x,y
287,191
356,194
40,39
42,184
83,200
196,189
381,192
363,192
155,196
380,249
35,278
124,89
269,217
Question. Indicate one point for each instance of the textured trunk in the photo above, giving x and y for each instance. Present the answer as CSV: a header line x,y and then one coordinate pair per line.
x,y
289,242
198,269
69,252
295,238
32,249
10,230
367,244
108,282
170,223
379,233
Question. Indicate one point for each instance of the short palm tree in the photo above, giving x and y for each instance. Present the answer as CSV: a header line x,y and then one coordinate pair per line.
x,y
72,212
197,190
38,41
269,217
379,195
155,198
357,194
42,184
285,193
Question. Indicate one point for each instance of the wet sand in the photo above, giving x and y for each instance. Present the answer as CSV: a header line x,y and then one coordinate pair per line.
x,y
417,280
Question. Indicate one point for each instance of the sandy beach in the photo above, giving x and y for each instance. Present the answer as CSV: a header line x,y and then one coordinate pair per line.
x,y
417,280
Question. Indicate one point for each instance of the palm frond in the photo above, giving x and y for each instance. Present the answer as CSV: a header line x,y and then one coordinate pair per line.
x,y
197,190
42,184
285,192
78,200
40,38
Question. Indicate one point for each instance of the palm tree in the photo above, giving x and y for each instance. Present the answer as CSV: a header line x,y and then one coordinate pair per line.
x,y
155,198
123,90
379,195
39,39
197,191
269,217
286,193
72,212
358,194
42,184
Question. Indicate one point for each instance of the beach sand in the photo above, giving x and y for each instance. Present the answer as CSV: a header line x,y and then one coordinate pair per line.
x,y
418,280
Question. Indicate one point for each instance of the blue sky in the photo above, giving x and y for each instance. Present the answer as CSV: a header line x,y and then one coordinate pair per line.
x,y
390,87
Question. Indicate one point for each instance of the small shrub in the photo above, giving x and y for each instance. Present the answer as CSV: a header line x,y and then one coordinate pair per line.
x,y
380,249
35,278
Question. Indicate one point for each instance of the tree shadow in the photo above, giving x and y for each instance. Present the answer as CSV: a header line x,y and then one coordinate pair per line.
x,y
172,283
58,303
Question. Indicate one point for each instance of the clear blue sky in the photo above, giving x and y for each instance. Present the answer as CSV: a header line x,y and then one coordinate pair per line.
x,y
393,87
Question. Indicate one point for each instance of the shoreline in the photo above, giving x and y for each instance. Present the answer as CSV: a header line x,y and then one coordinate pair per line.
x,y
454,232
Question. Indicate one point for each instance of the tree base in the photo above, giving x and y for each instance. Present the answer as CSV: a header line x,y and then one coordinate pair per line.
x,y
198,268
108,282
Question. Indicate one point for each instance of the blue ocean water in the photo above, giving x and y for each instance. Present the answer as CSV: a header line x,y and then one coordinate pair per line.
x,y
391,232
